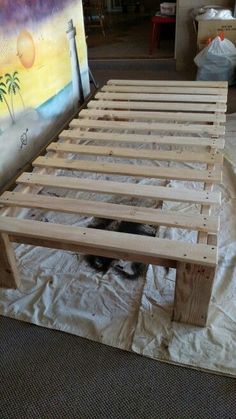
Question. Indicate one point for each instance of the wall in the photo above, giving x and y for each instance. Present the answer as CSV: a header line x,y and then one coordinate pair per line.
x,y
150,5
41,81
153,5
186,41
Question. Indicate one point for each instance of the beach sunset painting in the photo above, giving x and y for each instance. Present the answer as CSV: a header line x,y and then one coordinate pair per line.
x,y
43,75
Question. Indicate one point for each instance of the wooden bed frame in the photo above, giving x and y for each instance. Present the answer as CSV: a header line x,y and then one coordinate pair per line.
x,y
132,112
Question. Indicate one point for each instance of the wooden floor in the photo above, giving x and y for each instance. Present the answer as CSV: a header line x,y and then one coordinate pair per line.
x,y
167,118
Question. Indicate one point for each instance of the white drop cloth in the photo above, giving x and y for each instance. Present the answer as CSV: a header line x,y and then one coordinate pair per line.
x,y
60,290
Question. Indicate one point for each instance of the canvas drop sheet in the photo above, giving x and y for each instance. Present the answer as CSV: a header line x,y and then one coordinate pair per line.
x,y
61,291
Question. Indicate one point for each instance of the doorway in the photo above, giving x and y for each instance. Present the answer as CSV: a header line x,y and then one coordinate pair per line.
x,y
122,31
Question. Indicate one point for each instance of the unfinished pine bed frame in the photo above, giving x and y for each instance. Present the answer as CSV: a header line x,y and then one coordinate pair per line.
x,y
128,112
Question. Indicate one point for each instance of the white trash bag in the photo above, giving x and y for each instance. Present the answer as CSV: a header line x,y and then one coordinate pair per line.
x,y
214,14
217,61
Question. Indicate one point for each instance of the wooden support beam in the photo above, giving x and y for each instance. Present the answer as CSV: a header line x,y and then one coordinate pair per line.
x,y
193,293
123,245
9,277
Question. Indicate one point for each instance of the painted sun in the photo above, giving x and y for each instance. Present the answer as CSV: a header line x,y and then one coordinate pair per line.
x,y
26,49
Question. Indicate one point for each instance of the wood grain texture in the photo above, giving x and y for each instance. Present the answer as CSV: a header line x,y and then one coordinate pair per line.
x,y
158,97
192,90
130,170
122,188
110,113
111,211
124,245
87,250
167,83
147,126
76,134
193,293
125,113
9,277
131,153
126,103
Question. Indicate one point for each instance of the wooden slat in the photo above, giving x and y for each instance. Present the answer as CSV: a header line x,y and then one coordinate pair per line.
x,y
142,115
180,156
130,170
156,106
77,134
182,83
121,188
166,90
162,97
123,245
147,126
112,211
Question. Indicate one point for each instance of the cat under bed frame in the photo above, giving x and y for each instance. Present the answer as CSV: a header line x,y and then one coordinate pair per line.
x,y
171,117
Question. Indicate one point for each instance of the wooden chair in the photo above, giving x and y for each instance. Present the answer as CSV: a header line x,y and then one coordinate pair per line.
x,y
94,14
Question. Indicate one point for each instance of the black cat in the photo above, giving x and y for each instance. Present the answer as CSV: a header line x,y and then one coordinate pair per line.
x,y
102,264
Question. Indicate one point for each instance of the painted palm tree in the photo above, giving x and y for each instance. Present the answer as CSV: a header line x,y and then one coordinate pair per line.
x,y
13,85
3,99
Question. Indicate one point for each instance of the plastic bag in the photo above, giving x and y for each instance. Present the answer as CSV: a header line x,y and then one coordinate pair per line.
x,y
217,61
212,14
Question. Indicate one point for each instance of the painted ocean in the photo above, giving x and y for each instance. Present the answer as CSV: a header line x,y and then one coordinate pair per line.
x,y
62,100
57,104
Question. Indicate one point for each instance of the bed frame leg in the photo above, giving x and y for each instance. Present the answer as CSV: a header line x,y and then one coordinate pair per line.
x,y
9,276
193,293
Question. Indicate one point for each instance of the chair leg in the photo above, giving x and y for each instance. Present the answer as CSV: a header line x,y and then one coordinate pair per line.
x,y
152,38
9,277
102,25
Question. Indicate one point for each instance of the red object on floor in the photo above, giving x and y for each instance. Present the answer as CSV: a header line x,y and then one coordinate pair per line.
x,y
156,22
